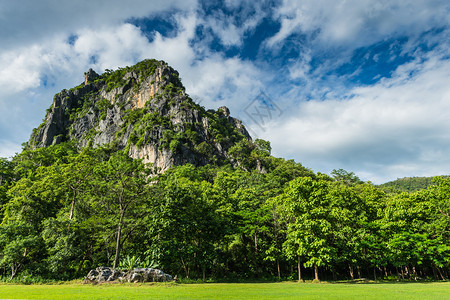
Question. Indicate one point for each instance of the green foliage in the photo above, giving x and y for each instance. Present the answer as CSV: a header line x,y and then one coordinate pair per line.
x,y
263,147
103,105
6,179
407,184
115,79
130,262
66,211
241,152
347,178
20,245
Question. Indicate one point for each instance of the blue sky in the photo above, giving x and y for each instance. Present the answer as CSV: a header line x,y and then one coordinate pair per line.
x,y
359,85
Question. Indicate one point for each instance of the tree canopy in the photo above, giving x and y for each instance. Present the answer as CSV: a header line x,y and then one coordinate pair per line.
x,y
65,211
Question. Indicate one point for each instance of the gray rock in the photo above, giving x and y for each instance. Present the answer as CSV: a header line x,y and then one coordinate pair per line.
x,y
107,274
102,274
147,275
96,113
90,76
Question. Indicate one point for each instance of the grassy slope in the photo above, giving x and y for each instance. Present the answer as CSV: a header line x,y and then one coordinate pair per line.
x,y
286,290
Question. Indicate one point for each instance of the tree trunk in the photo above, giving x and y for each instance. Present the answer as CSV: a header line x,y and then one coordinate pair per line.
x,y
72,206
256,243
186,269
434,272
359,271
278,269
118,245
375,273
204,274
299,270
408,273
316,272
13,270
440,273
352,275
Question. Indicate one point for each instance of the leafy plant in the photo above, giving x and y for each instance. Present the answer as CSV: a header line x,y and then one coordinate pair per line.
x,y
130,262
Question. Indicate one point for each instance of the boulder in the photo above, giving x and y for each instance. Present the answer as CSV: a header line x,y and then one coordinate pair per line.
x,y
107,274
147,275
102,274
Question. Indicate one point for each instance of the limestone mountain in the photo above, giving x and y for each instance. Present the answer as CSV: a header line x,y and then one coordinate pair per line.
x,y
144,110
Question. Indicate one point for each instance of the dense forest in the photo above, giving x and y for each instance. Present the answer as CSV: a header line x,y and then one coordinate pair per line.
x,y
408,184
67,210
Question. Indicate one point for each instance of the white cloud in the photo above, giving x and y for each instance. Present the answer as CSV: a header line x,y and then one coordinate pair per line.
x,y
395,128
358,22
18,71
208,76
232,28
28,21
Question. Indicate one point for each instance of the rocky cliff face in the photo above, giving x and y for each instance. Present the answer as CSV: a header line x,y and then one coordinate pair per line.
x,y
145,111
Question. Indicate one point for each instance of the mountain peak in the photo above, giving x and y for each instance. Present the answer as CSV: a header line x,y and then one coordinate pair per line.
x,y
145,111
90,76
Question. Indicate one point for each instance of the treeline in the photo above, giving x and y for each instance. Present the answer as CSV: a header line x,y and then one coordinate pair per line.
x,y
407,184
65,212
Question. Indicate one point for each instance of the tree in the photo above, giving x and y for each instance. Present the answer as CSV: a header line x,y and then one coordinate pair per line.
x,y
435,205
345,177
76,175
263,147
119,189
20,246
185,222
33,199
405,222
305,209
6,179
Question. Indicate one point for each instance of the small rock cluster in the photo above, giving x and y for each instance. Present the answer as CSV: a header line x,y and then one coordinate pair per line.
x,y
107,274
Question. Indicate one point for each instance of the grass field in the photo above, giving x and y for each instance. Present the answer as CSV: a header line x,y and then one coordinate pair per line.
x,y
284,290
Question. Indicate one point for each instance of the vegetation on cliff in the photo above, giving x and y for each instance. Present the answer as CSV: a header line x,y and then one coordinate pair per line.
x,y
144,111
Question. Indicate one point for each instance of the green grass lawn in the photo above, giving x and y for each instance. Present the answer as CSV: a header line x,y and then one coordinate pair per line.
x,y
284,290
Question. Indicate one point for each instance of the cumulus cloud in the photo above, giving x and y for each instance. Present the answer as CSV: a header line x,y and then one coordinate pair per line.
x,y
34,73
231,28
396,127
331,32
358,22
28,21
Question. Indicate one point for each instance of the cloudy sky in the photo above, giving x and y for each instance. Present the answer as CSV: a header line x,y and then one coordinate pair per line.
x,y
359,84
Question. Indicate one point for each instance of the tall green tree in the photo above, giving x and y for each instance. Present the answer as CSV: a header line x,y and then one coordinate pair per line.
x,y
119,189
305,208
185,222
21,247
6,179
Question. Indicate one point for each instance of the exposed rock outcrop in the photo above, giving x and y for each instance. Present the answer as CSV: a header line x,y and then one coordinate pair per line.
x,y
145,111
107,274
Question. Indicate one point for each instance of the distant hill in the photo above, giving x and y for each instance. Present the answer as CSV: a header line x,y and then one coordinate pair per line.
x,y
407,184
